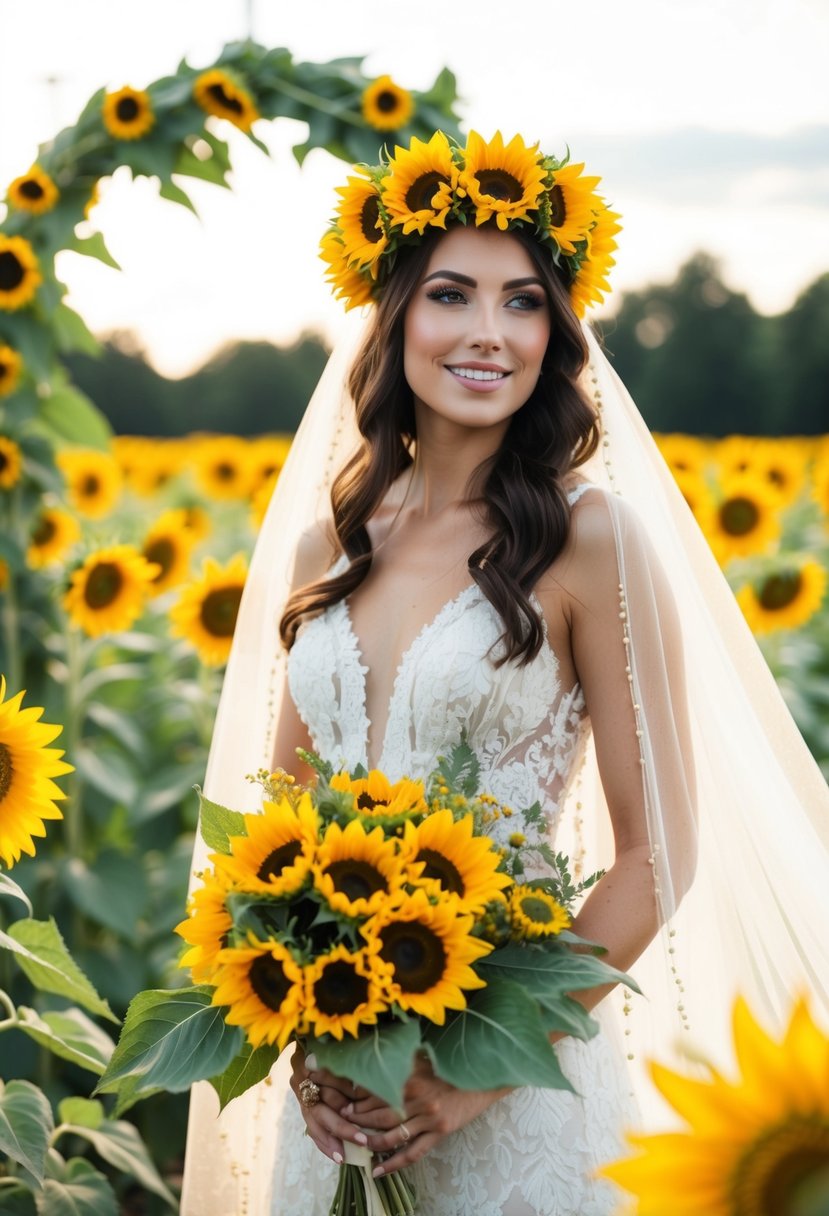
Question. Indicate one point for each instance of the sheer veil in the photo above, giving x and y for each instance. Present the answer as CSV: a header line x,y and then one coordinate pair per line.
x,y
728,781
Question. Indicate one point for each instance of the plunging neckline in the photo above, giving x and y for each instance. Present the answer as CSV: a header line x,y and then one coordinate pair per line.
x,y
417,641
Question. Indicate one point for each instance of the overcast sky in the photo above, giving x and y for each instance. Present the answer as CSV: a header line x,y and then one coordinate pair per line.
x,y
708,121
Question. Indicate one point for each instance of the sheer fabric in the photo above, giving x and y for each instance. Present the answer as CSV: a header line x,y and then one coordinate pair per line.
x,y
736,806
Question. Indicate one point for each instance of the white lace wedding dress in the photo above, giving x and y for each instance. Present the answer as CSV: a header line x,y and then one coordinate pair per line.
x,y
533,1153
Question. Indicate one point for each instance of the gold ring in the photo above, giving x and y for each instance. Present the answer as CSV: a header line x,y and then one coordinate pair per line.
x,y
405,1134
309,1092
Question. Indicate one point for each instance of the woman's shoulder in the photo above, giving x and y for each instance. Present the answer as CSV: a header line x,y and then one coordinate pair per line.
x,y
316,550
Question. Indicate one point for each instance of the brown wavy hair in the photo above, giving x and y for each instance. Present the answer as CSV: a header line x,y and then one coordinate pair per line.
x,y
519,488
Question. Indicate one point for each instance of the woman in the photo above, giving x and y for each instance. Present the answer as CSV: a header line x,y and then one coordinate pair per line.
x,y
489,581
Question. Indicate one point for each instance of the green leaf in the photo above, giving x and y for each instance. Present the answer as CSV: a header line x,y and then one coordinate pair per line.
x,y
175,194
94,681
107,771
563,1014
83,1112
82,1191
69,414
41,954
18,1201
380,1059
460,769
93,246
26,1124
547,973
209,170
499,1039
113,891
9,887
171,1039
69,1034
249,1067
120,1145
217,823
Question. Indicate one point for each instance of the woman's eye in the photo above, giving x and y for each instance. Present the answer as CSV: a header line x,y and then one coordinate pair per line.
x,y
525,300
450,294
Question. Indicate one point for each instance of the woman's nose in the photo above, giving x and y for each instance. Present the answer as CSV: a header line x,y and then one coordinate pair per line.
x,y
485,332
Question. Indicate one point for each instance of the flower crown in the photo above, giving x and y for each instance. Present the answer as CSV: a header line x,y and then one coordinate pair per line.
x,y
391,205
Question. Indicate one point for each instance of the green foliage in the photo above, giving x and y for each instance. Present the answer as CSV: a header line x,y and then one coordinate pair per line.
x,y
217,824
380,1063
249,1066
41,953
25,1126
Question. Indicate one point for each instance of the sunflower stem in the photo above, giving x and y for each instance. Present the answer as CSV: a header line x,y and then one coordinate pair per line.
x,y
10,1008
315,102
11,607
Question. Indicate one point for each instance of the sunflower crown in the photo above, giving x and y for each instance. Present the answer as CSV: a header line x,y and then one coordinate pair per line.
x,y
385,207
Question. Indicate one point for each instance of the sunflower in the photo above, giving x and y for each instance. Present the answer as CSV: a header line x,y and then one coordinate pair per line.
x,y
377,800
55,532
735,455
683,453
266,458
781,463
11,463
197,521
150,466
218,93
34,192
92,201
222,467
346,282
746,518
696,492
360,222
4,574
93,479
590,284
274,858
206,927
448,859
536,914
751,1148
504,182
27,766
128,113
261,501
386,106
356,871
264,987
785,599
430,951
820,483
573,204
420,184
169,544
107,593
206,610
346,991
11,365
20,274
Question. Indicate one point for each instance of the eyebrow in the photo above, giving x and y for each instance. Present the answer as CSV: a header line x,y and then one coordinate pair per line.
x,y
467,282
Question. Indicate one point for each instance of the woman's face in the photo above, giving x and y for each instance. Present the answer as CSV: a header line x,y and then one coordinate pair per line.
x,y
476,328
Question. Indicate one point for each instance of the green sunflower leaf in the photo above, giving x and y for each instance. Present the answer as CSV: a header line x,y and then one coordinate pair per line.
x,y
83,1112
175,194
171,1039
248,1068
379,1060
26,1124
41,954
80,1191
93,246
9,887
71,331
547,974
499,1039
69,1034
121,1146
68,413
217,824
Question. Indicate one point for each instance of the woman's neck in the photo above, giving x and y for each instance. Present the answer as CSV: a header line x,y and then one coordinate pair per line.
x,y
446,456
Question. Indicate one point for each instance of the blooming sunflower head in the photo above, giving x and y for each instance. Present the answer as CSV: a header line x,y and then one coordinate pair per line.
x,y
11,463
34,192
785,598
223,95
347,283
419,187
386,106
448,860
264,987
376,800
27,767
746,518
223,467
360,222
755,1147
11,365
535,914
168,544
128,113
206,927
274,856
430,950
20,274
93,480
346,990
356,870
207,608
108,592
54,533
503,182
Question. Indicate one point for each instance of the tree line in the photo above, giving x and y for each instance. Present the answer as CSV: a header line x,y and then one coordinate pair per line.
x,y
695,355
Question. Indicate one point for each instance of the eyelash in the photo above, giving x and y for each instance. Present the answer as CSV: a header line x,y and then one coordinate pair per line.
x,y
529,298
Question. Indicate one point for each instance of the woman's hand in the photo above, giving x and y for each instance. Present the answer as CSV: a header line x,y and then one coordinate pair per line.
x,y
324,1121
433,1109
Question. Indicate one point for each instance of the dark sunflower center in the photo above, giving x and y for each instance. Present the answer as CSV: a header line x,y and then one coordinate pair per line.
x,y
5,369
356,879
225,471
11,271
423,189
4,462
90,485
780,1169
219,611
416,953
268,981
440,867
558,210
44,531
536,909
279,860
499,184
739,516
225,99
32,190
387,101
162,551
780,590
103,585
366,803
777,477
340,989
6,771
368,220
127,109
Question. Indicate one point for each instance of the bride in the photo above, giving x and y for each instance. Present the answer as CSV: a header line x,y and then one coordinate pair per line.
x,y
503,556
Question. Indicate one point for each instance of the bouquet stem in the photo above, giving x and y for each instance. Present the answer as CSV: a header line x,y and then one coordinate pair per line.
x,y
359,1194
